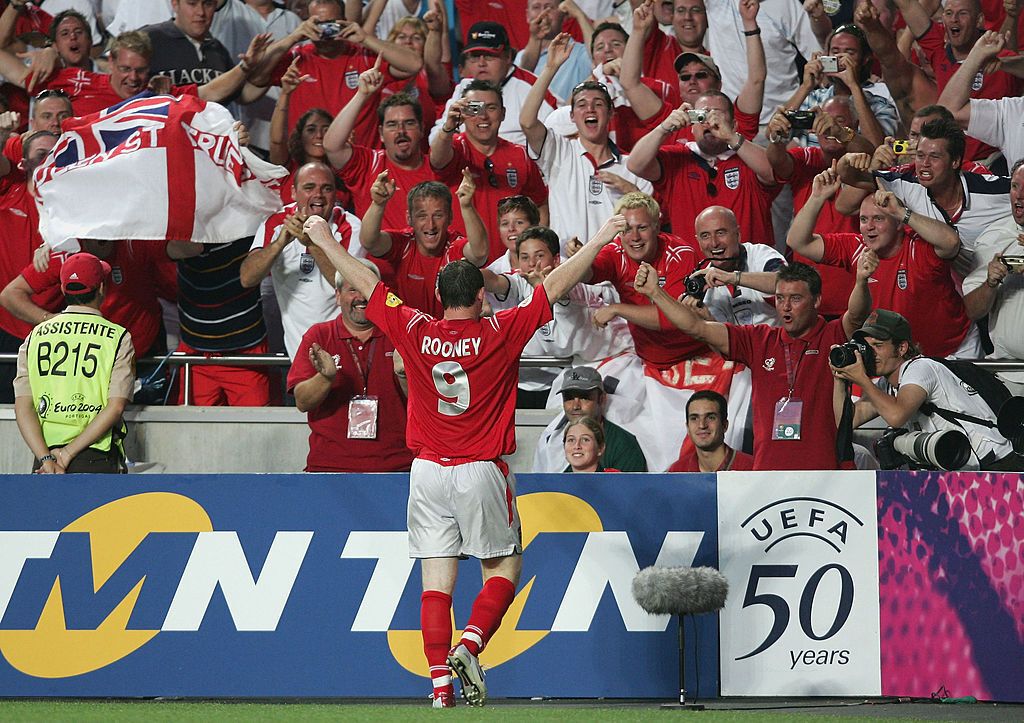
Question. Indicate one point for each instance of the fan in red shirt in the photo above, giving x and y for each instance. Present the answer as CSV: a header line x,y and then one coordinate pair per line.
x,y
689,25
695,73
68,32
673,259
131,299
400,127
462,373
719,168
948,44
707,418
338,52
836,127
499,168
795,426
411,256
19,227
913,276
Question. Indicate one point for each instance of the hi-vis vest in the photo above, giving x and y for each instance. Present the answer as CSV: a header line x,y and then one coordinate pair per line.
x,y
70,360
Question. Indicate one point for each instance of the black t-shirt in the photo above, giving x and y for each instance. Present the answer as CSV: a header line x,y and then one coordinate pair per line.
x,y
175,55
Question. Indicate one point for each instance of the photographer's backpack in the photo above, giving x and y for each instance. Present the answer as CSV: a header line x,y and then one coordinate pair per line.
x,y
985,383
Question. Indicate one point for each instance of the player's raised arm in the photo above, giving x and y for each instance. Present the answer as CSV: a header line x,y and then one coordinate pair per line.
x,y
361,278
570,272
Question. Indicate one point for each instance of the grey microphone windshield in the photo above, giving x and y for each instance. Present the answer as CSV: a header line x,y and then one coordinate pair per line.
x,y
680,590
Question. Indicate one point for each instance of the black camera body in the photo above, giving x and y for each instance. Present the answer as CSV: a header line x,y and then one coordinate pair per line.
x,y
695,286
843,355
800,120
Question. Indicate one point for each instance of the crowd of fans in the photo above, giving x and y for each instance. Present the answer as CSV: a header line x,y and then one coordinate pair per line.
x,y
786,174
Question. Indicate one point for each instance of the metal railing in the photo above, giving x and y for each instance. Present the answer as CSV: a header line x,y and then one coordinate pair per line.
x,y
187,361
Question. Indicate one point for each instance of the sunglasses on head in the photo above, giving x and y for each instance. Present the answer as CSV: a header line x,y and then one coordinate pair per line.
x,y
50,93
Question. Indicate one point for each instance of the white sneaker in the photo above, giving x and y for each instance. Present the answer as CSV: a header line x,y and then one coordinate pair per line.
x,y
443,699
471,675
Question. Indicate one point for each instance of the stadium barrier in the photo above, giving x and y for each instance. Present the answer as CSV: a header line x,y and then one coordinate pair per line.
x,y
850,583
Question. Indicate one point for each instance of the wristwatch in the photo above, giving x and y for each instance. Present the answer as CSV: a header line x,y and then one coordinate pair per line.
x,y
738,144
47,458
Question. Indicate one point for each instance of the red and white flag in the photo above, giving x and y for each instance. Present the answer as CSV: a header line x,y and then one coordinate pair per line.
x,y
154,168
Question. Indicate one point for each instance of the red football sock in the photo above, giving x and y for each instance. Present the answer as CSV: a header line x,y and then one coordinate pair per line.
x,y
488,609
436,625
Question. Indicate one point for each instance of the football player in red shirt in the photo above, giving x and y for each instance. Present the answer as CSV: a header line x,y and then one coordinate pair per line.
x,y
462,373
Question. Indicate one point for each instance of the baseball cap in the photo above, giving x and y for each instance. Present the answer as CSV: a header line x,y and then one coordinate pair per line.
x,y
486,37
683,58
581,379
884,324
82,273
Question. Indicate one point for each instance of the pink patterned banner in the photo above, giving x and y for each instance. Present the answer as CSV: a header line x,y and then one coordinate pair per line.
x,y
951,584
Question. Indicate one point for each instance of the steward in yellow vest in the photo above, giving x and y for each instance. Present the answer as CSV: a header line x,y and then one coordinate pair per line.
x,y
76,373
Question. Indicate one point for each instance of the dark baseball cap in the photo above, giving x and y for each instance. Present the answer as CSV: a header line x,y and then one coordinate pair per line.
x,y
884,324
581,379
683,58
82,273
486,37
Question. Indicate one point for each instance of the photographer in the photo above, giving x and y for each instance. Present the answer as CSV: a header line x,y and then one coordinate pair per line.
x,y
909,382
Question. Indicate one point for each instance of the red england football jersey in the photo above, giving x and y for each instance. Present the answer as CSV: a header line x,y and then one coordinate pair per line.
x,y
462,374
916,283
91,92
836,282
19,224
131,296
999,84
506,172
763,349
362,170
660,52
675,261
628,128
686,188
413,275
336,79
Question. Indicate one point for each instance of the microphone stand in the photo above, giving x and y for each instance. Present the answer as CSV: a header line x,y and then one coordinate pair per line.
x,y
682,704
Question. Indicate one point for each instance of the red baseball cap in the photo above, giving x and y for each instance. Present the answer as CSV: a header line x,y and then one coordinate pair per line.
x,y
82,273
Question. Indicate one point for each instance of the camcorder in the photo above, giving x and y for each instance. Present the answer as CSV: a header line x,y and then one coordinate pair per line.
x,y
947,450
829,63
1014,263
474,107
330,29
800,120
697,116
844,355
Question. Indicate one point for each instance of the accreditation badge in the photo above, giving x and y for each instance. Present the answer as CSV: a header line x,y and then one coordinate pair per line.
x,y
362,417
786,423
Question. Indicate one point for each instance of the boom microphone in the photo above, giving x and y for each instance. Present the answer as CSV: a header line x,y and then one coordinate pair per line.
x,y
680,590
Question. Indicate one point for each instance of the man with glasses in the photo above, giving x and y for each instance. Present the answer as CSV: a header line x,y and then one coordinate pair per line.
x,y
583,395
689,27
586,175
695,74
499,168
487,56
718,167
400,127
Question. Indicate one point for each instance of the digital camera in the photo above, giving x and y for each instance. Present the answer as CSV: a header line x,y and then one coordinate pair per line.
x,y
902,148
829,63
329,30
1014,263
843,355
695,286
800,120
474,107
697,116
